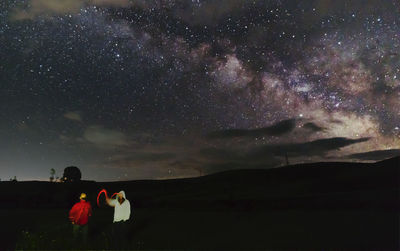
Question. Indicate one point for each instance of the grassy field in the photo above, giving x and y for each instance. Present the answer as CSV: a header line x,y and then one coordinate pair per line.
x,y
204,230
318,206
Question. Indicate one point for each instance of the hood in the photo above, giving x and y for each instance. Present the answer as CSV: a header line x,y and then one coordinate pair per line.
x,y
123,194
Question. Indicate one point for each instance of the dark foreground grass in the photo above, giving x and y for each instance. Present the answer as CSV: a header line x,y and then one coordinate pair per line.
x,y
176,229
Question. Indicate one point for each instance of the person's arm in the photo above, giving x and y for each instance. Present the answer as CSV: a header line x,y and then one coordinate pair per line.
x,y
110,202
72,213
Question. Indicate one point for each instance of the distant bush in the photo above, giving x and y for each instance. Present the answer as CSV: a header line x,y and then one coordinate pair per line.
x,y
71,174
52,173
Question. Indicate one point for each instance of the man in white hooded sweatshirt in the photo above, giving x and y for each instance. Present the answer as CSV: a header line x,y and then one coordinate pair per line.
x,y
122,213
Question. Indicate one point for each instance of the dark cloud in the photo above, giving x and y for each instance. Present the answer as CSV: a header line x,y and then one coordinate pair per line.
x,y
376,155
271,155
277,129
313,127
314,148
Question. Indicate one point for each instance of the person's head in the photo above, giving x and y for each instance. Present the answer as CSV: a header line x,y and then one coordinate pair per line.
x,y
83,196
121,196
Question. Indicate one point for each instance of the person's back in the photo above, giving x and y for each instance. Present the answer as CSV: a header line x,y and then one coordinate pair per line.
x,y
80,213
79,217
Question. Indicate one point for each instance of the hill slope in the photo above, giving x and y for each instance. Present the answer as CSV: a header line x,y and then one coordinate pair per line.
x,y
319,205
312,185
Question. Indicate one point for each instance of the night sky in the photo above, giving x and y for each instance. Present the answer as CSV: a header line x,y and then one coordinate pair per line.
x,y
135,89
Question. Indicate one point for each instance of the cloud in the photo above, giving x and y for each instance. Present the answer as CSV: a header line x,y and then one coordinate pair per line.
x,y
376,155
313,127
212,12
59,7
329,7
113,3
167,157
222,159
104,138
22,126
314,148
47,7
313,11
75,116
208,12
277,129
268,156
216,154
140,157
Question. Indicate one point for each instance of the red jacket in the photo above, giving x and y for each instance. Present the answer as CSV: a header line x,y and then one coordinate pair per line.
x,y
80,213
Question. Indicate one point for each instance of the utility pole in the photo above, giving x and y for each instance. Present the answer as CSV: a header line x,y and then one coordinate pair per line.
x,y
287,159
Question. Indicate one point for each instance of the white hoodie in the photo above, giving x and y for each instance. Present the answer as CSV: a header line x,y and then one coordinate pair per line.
x,y
122,212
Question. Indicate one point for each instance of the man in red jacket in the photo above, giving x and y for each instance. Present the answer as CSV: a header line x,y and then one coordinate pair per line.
x,y
79,217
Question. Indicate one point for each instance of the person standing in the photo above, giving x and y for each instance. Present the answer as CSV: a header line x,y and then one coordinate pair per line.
x,y
79,217
122,213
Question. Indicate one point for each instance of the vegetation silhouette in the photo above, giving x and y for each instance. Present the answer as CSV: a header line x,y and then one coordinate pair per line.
x,y
335,205
52,173
72,174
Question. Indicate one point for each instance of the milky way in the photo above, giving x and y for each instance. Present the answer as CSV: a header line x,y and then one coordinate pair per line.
x,y
164,89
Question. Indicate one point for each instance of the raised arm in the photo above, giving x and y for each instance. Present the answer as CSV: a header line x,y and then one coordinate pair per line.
x,y
109,202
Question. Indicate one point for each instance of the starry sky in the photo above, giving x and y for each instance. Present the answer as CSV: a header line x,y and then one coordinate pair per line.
x,y
135,89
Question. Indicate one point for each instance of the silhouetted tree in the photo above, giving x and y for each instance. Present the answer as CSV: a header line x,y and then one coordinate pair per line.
x,y
52,172
14,179
71,174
